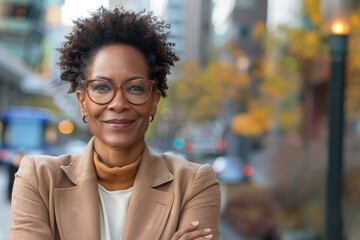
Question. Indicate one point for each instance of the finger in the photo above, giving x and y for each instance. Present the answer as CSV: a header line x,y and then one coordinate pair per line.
x,y
197,234
191,227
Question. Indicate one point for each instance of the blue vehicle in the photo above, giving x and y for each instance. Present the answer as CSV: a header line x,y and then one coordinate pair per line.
x,y
23,131
24,128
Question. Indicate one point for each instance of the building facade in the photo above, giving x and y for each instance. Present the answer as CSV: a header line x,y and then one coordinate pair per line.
x,y
190,27
233,20
22,31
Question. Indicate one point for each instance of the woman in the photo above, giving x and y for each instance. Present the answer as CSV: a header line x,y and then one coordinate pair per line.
x,y
117,63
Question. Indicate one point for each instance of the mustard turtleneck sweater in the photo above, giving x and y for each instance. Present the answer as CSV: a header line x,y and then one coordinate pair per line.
x,y
116,178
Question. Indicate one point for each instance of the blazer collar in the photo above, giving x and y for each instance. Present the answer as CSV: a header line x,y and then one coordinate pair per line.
x,y
82,166
149,207
153,170
77,207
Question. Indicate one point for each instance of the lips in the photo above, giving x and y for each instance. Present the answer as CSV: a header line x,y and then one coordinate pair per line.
x,y
120,123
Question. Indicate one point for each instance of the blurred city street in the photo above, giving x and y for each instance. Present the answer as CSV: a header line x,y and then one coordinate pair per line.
x,y
263,92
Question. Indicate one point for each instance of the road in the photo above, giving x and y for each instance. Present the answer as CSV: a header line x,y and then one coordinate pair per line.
x,y
5,214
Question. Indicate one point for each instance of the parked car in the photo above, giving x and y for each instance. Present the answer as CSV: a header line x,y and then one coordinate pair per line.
x,y
231,169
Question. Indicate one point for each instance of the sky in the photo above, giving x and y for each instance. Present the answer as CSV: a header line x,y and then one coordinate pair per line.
x,y
157,6
72,9
283,12
279,11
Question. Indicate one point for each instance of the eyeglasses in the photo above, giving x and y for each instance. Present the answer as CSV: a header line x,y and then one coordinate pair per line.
x,y
135,91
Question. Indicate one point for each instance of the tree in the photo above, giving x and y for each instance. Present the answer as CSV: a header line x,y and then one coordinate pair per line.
x,y
200,92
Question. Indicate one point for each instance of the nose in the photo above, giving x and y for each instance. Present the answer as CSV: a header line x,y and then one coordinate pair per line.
x,y
119,103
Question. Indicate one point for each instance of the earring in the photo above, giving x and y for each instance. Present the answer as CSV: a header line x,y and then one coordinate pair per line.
x,y
151,118
84,119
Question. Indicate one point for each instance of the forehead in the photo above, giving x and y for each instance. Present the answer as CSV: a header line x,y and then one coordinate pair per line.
x,y
118,60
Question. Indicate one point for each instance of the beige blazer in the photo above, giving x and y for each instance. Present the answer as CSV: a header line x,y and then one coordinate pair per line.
x,y
57,198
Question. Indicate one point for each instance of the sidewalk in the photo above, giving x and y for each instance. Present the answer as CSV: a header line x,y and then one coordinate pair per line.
x,y
5,207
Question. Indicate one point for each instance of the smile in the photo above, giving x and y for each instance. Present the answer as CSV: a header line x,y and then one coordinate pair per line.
x,y
119,123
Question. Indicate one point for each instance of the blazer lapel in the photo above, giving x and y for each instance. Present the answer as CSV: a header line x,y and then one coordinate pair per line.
x,y
149,208
77,207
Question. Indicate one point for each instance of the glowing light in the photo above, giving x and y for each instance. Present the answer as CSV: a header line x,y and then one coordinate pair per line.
x,y
339,27
221,144
189,147
219,164
167,114
179,143
248,170
66,127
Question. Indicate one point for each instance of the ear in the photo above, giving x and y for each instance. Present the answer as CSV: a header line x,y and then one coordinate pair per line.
x,y
81,98
154,101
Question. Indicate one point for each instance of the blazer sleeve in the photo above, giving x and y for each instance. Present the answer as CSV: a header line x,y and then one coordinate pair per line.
x,y
203,201
30,216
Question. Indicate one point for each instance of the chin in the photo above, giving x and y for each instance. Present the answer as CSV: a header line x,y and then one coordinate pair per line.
x,y
121,142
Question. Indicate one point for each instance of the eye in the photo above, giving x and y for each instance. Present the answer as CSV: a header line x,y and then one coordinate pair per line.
x,y
137,87
101,86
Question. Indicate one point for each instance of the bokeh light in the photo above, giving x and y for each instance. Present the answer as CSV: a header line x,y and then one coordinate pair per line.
x,y
66,127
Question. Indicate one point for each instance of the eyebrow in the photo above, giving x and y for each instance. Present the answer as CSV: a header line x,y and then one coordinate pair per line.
x,y
111,80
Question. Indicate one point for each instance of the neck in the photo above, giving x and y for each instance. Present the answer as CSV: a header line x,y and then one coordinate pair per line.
x,y
116,178
118,157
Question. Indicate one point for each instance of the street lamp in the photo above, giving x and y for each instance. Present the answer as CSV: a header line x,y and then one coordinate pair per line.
x,y
336,14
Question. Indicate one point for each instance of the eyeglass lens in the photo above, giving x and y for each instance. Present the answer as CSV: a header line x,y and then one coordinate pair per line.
x,y
136,91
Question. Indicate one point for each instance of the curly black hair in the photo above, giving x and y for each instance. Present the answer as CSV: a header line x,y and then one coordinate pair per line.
x,y
104,27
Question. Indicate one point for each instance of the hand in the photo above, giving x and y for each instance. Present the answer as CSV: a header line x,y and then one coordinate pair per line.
x,y
191,232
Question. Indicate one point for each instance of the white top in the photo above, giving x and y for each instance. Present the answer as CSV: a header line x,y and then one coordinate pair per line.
x,y
113,209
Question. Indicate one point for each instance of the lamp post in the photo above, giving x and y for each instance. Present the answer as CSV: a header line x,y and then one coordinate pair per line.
x,y
336,13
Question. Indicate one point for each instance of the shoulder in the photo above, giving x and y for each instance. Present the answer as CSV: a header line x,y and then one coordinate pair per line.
x,y
46,161
184,169
43,167
193,182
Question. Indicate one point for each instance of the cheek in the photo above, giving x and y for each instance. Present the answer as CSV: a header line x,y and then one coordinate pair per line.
x,y
145,112
93,110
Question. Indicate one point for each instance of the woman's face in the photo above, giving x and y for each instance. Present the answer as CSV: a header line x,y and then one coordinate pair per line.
x,y
118,124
